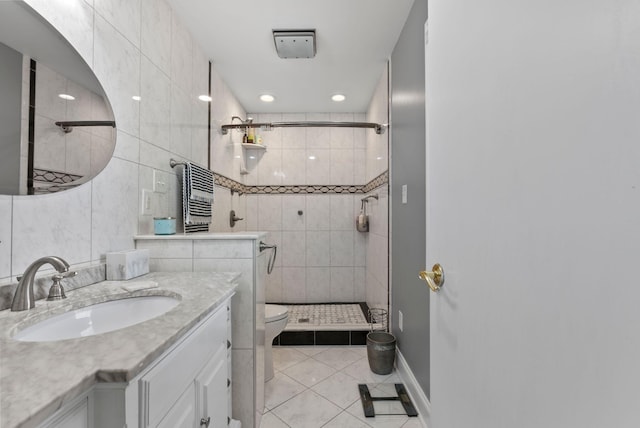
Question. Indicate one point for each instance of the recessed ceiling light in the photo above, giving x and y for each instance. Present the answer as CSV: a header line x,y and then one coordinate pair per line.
x,y
312,157
136,98
205,98
267,98
67,97
338,98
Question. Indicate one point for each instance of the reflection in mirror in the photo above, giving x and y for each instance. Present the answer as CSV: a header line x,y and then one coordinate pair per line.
x,y
44,81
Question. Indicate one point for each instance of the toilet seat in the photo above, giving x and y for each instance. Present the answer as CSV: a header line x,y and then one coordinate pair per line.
x,y
274,313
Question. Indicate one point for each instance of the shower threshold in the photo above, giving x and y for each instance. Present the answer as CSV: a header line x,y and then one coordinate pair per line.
x,y
326,324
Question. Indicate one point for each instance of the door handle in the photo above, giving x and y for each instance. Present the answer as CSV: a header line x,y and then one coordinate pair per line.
x,y
433,278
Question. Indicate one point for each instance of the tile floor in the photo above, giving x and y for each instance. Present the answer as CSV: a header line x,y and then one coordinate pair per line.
x,y
317,386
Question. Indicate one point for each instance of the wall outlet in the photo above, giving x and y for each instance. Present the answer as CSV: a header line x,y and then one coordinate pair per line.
x,y
400,321
145,205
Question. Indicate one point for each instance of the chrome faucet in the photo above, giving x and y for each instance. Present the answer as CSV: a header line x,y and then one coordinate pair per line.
x,y
24,298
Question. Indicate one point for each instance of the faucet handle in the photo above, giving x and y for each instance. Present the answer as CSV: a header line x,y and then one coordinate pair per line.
x,y
67,274
56,292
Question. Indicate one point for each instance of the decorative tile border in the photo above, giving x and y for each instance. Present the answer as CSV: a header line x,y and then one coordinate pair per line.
x,y
226,182
304,189
379,181
48,176
310,189
46,181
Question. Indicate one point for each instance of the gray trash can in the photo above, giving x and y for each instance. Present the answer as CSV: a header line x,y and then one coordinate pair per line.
x,y
381,352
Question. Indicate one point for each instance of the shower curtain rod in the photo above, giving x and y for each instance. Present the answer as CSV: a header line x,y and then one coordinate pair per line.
x,y
268,125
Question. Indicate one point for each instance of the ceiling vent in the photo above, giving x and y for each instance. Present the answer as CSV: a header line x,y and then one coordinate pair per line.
x,y
295,43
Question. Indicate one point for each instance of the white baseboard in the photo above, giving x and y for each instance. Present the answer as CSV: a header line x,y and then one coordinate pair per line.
x,y
416,393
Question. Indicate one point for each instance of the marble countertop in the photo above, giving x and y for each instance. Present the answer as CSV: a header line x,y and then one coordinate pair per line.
x,y
37,378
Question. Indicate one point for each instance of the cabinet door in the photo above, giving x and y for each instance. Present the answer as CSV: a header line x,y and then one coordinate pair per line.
x,y
161,385
75,417
211,387
183,412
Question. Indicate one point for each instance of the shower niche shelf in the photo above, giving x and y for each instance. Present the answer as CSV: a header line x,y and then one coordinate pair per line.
x,y
251,151
252,146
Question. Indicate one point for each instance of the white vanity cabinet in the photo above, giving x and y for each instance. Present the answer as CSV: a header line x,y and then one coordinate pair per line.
x,y
182,379
220,252
76,414
187,386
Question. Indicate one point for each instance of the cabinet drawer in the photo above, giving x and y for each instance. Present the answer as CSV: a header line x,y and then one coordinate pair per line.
x,y
163,384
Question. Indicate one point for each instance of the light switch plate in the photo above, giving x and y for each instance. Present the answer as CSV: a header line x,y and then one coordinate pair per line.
x,y
160,181
404,193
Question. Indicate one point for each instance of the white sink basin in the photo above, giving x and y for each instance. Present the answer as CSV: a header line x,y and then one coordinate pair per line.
x,y
97,319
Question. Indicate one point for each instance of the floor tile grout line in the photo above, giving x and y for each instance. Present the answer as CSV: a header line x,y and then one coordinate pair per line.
x,y
293,396
334,371
276,416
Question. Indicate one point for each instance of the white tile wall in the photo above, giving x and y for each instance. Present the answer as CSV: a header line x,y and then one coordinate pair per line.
x,y
293,248
294,138
377,160
5,236
155,33
222,249
318,248
61,225
376,243
323,258
135,47
117,66
294,284
318,165
270,212
317,280
155,105
124,15
116,209
141,48
74,19
342,284
274,286
127,147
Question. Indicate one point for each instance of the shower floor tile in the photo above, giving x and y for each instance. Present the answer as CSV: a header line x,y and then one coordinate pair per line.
x,y
326,314
326,324
330,317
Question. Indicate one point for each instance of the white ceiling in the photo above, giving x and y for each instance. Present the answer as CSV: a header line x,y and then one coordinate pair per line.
x,y
354,40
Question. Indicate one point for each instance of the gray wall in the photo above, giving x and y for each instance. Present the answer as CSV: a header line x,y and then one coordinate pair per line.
x,y
10,104
409,294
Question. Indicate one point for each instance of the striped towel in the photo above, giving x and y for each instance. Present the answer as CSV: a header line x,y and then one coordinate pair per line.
x,y
197,192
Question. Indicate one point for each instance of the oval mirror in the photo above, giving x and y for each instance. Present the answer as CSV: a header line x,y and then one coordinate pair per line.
x,y
57,128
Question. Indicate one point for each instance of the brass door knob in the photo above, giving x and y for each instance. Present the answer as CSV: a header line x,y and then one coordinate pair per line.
x,y
434,278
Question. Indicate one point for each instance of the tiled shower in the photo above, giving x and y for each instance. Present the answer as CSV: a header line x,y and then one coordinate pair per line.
x,y
321,256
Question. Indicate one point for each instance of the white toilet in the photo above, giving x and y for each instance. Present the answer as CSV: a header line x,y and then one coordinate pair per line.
x,y
275,320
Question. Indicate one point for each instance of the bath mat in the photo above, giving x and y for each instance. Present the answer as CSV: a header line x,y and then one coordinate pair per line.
x,y
385,399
